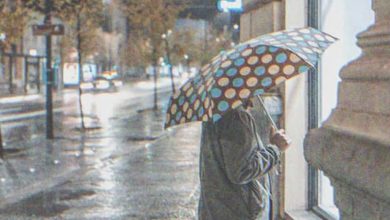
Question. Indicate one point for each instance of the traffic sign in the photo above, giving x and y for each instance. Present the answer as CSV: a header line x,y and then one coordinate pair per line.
x,y
52,29
230,5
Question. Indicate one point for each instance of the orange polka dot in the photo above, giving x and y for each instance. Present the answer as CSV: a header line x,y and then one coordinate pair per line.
x,y
246,52
245,71
185,106
294,58
223,81
266,58
289,69
251,82
189,114
244,93
280,80
236,104
273,69
173,109
253,60
230,93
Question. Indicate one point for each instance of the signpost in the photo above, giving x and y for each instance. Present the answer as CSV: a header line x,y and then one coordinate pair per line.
x,y
51,29
48,29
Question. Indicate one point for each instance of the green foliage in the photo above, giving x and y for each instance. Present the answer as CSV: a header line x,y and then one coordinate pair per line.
x,y
149,19
83,20
14,19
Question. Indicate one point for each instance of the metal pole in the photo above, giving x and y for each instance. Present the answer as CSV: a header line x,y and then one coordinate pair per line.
x,y
266,112
155,107
170,64
25,74
49,75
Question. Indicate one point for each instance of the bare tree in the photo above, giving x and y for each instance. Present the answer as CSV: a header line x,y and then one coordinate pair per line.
x,y
83,18
148,21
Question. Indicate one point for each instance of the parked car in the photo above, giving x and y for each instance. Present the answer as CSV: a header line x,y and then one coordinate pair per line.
x,y
101,84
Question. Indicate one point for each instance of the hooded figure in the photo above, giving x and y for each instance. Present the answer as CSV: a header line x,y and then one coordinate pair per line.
x,y
234,166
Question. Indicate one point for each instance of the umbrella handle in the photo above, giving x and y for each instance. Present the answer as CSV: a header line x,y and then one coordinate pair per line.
x,y
268,115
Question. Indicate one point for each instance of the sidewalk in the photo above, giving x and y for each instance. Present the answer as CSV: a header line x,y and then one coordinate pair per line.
x,y
168,155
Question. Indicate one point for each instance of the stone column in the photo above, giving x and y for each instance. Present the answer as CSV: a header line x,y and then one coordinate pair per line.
x,y
353,146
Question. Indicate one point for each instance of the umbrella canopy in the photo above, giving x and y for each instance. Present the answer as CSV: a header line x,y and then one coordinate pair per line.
x,y
249,69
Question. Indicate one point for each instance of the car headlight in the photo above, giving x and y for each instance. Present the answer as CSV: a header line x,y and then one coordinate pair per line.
x,y
86,85
118,83
102,84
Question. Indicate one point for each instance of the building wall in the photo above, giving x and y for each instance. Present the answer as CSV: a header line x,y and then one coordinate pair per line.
x,y
296,121
265,17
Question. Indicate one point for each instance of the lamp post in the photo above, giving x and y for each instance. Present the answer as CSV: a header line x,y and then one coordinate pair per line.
x,y
49,74
165,38
2,39
187,58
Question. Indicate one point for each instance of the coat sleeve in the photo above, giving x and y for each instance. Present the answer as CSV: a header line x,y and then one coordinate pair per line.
x,y
244,161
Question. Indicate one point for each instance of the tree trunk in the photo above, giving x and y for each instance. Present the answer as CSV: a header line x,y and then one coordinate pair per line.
x,y
154,61
81,78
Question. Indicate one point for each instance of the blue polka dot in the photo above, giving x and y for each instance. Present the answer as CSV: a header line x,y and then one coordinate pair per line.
x,y
203,96
219,73
266,82
281,37
303,69
194,118
261,50
223,106
234,55
193,98
216,93
216,117
272,49
197,79
281,58
231,72
201,112
307,37
323,45
240,48
238,82
181,100
259,92
302,44
259,71
239,62
178,116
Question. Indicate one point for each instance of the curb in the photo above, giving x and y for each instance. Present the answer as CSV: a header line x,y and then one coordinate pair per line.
x,y
37,187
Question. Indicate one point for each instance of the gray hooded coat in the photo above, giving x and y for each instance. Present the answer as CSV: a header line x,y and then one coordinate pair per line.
x,y
233,168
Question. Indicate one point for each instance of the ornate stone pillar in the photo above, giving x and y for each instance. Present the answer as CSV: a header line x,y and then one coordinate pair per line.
x,y
353,145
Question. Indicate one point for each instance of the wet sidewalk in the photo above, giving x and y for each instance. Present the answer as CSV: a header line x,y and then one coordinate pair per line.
x,y
130,168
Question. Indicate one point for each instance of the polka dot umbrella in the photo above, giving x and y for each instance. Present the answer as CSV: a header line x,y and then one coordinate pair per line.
x,y
249,69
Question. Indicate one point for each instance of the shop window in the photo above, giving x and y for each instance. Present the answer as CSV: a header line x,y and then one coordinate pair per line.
x,y
344,20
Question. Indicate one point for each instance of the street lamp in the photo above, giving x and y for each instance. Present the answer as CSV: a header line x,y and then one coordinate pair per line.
x,y
165,38
2,36
187,58
236,26
2,39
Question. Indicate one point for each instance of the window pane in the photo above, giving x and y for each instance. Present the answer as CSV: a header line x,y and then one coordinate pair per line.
x,y
326,197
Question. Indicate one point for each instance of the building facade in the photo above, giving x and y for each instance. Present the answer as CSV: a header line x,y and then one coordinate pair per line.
x,y
346,169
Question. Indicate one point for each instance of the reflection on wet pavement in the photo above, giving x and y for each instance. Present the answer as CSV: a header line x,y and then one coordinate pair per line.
x,y
131,168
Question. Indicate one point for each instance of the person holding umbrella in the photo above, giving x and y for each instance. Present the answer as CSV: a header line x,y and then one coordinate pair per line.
x,y
232,155
234,167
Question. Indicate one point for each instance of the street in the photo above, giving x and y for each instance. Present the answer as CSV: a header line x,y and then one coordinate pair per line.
x,y
125,166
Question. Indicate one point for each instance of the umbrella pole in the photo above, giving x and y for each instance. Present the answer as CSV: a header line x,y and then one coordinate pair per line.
x,y
266,112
